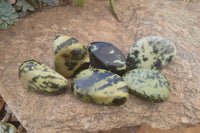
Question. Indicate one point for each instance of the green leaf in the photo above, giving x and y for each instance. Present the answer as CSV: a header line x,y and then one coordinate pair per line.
x,y
114,10
10,22
3,26
14,16
5,18
7,128
80,3
33,2
51,2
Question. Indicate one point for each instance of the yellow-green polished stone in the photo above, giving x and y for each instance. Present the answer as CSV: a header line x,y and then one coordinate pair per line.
x,y
148,84
100,86
41,79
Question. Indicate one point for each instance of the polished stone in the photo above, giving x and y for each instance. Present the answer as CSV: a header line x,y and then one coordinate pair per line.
x,y
106,56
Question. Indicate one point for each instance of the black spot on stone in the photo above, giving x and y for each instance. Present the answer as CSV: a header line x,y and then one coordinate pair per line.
x,y
135,53
111,92
35,78
124,89
66,44
45,70
145,59
119,101
140,81
160,83
72,87
105,92
158,63
57,37
64,55
155,50
103,87
169,59
70,65
82,67
132,63
80,95
78,54
156,86
150,43
143,48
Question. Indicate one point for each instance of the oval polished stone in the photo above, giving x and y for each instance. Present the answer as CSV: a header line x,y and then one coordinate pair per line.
x,y
70,56
40,78
150,52
106,56
148,84
100,86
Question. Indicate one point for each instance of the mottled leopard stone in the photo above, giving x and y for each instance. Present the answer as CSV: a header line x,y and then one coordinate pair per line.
x,y
148,84
70,56
150,52
105,55
40,78
100,86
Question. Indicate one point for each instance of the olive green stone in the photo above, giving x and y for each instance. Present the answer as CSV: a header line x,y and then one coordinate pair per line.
x,y
150,52
148,84
100,86
41,79
70,56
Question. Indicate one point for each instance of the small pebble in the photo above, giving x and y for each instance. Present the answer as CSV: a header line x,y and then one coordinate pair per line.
x,y
148,84
70,56
105,55
40,78
150,52
100,86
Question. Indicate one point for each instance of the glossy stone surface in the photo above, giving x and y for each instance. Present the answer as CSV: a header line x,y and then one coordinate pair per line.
x,y
100,86
38,77
70,56
151,52
148,84
106,56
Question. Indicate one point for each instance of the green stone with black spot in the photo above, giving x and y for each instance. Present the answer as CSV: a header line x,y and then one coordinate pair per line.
x,y
100,86
39,78
148,84
150,52
70,56
105,55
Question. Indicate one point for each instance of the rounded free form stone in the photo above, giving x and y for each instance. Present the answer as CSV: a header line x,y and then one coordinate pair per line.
x,y
41,79
150,52
70,56
148,84
105,55
100,86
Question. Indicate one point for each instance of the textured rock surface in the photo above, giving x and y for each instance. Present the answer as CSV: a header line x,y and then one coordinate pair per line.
x,y
33,35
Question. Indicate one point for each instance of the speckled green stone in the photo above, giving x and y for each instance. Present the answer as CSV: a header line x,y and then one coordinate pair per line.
x,y
106,56
41,79
100,86
150,52
70,56
148,84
